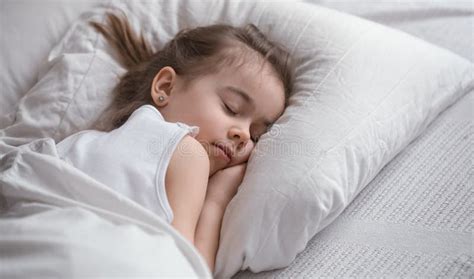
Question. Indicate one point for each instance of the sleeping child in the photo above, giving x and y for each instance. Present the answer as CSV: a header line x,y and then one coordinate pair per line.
x,y
184,121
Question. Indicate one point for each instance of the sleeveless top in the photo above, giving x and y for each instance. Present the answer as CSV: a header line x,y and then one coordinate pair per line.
x,y
131,159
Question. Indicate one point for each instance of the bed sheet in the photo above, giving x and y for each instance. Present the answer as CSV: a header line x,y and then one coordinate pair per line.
x,y
414,220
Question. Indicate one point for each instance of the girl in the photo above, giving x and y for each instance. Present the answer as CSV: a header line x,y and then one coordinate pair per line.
x,y
183,122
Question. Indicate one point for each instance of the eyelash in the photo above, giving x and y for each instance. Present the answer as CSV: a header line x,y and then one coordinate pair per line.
x,y
230,111
233,113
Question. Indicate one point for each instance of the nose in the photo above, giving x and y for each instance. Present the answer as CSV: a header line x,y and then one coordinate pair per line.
x,y
240,136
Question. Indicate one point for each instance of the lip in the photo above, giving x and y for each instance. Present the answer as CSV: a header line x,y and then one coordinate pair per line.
x,y
226,151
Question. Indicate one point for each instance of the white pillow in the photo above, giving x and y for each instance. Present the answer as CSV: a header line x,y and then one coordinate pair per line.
x,y
362,93
29,29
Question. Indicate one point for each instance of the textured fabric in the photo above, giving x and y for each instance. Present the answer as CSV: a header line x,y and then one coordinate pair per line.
x,y
132,159
414,220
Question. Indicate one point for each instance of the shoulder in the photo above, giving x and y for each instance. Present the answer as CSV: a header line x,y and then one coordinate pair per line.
x,y
189,159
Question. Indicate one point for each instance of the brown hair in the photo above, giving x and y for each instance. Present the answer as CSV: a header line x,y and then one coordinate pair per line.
x,y
191,53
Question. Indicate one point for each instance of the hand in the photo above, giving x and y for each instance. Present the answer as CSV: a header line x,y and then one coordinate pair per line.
x,y
223,185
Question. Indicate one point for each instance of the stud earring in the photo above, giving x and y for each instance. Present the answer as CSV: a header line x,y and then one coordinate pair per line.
x,y
161,99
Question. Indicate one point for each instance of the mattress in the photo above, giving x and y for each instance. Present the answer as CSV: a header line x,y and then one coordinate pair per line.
x,y
415,219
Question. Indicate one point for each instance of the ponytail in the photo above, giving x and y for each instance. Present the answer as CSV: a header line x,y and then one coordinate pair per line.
x,y
132,49
134,54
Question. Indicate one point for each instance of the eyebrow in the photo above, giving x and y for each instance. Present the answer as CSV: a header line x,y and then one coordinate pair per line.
x,y
248,100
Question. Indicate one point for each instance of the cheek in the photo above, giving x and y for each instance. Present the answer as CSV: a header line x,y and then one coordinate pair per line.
x,y
207,125
212,129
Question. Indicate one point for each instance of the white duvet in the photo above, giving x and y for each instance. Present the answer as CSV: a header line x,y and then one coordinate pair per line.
x,y
58,222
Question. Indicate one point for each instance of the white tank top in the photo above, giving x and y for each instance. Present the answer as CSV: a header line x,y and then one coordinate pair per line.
x,y
131,159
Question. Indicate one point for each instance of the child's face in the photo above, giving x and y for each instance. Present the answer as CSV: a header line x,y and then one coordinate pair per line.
x,y
216,103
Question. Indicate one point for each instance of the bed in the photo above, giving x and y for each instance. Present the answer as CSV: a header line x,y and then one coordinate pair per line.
x,y
414,219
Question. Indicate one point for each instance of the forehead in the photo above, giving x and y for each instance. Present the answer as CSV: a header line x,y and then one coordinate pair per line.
x,y
257,85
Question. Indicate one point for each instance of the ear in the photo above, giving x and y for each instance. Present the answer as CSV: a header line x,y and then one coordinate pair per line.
x,y
161,86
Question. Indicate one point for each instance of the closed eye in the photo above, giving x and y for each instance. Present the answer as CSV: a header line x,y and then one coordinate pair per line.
x,y
229,110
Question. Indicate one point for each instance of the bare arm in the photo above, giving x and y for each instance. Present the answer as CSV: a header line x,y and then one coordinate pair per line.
x,y
208,231
221,188
186,183
199,203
